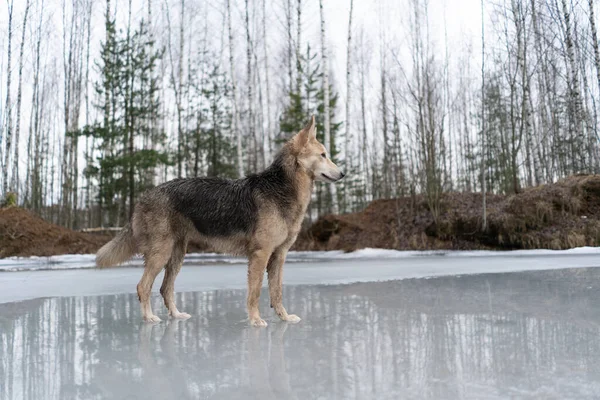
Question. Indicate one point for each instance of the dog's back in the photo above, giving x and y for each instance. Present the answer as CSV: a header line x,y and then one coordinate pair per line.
x,y
216,207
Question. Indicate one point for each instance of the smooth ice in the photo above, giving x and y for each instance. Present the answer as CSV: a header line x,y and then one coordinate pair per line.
x,y
503,334
201,273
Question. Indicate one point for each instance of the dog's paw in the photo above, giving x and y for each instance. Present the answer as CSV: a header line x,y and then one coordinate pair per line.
x,y
292,318
258,322
152,319
180,315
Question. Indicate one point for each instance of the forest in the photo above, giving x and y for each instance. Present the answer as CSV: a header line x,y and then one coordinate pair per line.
x,y
101,100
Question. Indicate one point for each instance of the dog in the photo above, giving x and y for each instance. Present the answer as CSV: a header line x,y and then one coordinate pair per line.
x,y
258,216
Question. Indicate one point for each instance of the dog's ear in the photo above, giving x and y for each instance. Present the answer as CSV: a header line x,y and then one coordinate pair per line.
x,y
309,132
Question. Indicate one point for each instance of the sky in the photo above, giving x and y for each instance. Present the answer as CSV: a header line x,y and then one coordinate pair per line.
x,y
461,20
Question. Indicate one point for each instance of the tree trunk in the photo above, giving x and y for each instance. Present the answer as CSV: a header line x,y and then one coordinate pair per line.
x,y
89,141
177,82
384,122
329,145
594,34
298,47
347,139
575,96
268,138
483,144
236,114
251,130
8,105
15,175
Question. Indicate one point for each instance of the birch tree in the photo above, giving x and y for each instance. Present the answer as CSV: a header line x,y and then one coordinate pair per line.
x,y
574,104
250,83
483,144
327,123
15,175
177,82
236,109
269,138
37,140
8,104
348,138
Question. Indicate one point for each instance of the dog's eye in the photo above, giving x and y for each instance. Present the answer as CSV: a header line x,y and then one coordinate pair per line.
x,y
323,155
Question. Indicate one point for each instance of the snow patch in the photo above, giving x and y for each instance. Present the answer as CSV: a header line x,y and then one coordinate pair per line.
x,y
84,261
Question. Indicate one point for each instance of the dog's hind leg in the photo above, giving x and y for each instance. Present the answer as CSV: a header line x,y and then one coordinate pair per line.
x,y
257,263
275,272
154,262
167,290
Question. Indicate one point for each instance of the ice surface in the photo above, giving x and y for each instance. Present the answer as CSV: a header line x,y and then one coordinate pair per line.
x,y
525,335
487,325
199,275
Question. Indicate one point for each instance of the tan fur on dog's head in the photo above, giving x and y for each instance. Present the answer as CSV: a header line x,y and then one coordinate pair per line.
x,y
312,155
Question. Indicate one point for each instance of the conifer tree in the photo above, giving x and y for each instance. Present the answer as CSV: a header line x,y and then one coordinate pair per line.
x,y
128,87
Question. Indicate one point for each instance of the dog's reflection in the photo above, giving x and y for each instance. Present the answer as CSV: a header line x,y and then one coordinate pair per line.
x,y
267,367
163,380
164,376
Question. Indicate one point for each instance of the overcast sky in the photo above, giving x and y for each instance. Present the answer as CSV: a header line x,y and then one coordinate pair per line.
x,y
462,20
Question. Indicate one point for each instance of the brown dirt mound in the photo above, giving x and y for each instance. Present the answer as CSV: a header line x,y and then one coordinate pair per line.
x,y
556,216
24,234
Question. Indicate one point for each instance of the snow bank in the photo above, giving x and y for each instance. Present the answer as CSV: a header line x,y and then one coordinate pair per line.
x,y
80,261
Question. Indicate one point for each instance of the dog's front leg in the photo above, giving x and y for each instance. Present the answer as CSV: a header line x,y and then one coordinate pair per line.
x,y
257,262
275,272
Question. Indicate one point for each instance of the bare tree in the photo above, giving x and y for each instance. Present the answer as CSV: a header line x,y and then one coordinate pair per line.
x,y
348,138
35,142
267,85
15,174
89,141
328,139
594,34
72,85
428,128
575,114
364,67
298,47
236,110
289,25
8,105
251,131
385,185
483,177
177,82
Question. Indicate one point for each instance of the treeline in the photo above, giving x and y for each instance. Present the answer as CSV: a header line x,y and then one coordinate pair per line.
x,y
102,100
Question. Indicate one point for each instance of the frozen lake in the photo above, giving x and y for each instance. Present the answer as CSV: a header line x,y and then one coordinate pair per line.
x,y
376,325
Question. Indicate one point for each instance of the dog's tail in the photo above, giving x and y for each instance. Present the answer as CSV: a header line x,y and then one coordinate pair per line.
x,y
118,250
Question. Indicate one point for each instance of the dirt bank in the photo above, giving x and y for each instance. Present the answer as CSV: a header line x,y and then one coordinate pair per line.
x,y
24,234
557,216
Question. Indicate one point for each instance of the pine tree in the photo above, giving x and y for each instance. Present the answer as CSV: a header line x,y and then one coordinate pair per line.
x,y
129,89
303,104
219,138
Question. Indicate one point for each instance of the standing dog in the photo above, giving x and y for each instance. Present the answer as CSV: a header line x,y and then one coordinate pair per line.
x,y
258,216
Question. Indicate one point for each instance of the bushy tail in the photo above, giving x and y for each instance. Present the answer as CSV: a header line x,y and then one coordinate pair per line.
x,y
118,250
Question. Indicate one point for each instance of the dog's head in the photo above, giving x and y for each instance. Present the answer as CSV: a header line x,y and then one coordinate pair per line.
x,y
312,155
